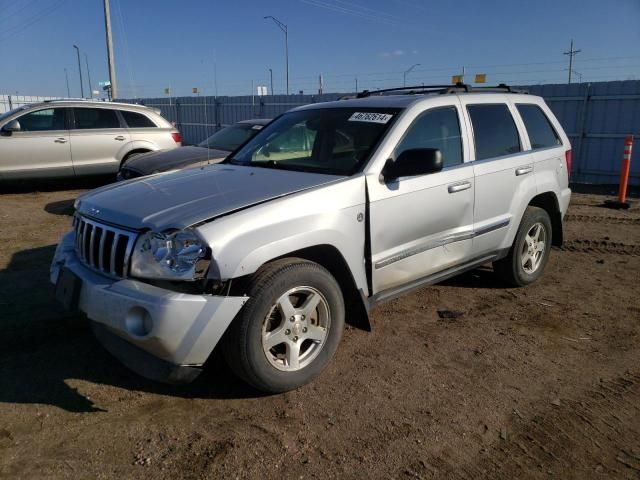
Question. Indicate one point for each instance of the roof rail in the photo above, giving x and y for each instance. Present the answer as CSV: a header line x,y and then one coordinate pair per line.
x,y
66,100
441,89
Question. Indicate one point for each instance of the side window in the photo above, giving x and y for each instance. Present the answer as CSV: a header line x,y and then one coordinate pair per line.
x,y
42,120
494,130
437,128
541,133
89,118
137,120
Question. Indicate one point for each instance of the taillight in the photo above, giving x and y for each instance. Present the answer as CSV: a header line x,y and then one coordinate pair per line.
x,y
568,158
176,137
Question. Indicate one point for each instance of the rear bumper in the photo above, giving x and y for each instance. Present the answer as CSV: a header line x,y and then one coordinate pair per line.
x,y
159,333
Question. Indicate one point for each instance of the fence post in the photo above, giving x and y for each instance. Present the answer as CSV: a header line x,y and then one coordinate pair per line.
x,y
581,132
178,116
10,104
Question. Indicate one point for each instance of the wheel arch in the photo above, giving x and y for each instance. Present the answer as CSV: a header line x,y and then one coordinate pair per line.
x,y
127,155
328,256
548,201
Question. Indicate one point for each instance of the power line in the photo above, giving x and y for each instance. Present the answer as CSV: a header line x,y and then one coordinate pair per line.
x,y
352,12
9,33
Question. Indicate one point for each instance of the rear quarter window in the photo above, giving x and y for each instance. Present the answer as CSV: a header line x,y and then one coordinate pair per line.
x,y
137,120
494,130
541,132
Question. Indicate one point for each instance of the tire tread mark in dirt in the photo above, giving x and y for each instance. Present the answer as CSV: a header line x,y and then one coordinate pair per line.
x,y
600,246
604,414
602,219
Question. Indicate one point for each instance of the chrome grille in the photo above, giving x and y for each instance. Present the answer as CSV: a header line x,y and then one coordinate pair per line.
x,y
102,247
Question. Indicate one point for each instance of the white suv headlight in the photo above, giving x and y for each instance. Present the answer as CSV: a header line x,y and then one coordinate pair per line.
x,y
177,255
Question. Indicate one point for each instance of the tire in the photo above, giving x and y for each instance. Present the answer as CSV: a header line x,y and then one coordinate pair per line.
x,y
129,156
278,342
525,261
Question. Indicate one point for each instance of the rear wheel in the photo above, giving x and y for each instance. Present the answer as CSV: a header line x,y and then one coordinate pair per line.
x,y
289,328
529,253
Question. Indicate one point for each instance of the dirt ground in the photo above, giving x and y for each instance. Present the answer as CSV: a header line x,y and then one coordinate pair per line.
x,y
537,382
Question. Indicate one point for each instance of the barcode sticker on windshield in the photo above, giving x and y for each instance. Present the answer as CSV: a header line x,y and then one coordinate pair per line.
x,y
371,117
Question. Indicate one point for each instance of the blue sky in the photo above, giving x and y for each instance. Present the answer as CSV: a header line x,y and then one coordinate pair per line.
x,y
162,43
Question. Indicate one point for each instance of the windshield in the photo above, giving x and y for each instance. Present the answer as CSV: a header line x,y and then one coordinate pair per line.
x,y
11,112
325,140
230,138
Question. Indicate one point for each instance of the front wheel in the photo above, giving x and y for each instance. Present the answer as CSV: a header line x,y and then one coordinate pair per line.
x,y
289,328
529,253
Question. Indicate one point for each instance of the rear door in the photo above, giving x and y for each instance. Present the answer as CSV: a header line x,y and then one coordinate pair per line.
x,y
97,139
546,145
40,149
503,168
423,224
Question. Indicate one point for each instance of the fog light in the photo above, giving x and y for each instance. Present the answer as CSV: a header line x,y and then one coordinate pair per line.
x,y
138,322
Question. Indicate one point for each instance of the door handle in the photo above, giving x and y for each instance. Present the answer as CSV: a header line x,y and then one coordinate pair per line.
x,y
524,170
119,138
60,140
459,187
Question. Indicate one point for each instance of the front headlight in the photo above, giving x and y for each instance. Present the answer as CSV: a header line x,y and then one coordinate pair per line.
x,y
180,255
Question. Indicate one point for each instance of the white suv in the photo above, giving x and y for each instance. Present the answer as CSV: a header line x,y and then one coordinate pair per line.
x,y
63,138
268,252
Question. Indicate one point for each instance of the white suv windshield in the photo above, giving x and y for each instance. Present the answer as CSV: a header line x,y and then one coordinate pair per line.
x,y
326,140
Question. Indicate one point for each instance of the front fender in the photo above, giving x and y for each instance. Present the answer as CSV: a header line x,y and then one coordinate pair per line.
x,y
330,215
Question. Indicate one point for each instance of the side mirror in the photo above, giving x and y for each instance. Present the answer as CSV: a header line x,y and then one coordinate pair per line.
x,y
417,161
12,126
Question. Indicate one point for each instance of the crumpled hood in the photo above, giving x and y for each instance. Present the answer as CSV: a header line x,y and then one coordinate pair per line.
x,y
164,160
186,197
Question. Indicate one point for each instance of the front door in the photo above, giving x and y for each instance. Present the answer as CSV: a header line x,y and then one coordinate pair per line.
x,y
422,225
40,149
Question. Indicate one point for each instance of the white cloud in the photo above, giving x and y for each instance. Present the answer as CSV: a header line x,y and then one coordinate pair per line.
x,y
393,53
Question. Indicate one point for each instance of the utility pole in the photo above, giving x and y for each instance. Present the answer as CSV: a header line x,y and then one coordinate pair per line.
x,y
110,59
79,71
356,84
571,54
66,77
271,77
86,59
285,30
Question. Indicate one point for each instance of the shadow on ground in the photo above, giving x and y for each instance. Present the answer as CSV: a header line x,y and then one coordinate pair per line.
x,y
54,185
483,277
61,207
42,347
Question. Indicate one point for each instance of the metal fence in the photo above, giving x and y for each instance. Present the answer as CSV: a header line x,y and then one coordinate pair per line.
x,y
9,102
597,117
199,117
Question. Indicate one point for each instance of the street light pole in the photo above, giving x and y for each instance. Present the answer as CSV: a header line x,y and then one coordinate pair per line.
x,y
79,71
86,58
66,77
404,77
271,77
285,30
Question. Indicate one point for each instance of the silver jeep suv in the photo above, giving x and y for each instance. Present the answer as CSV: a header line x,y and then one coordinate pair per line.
x,y
63,138
269,252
